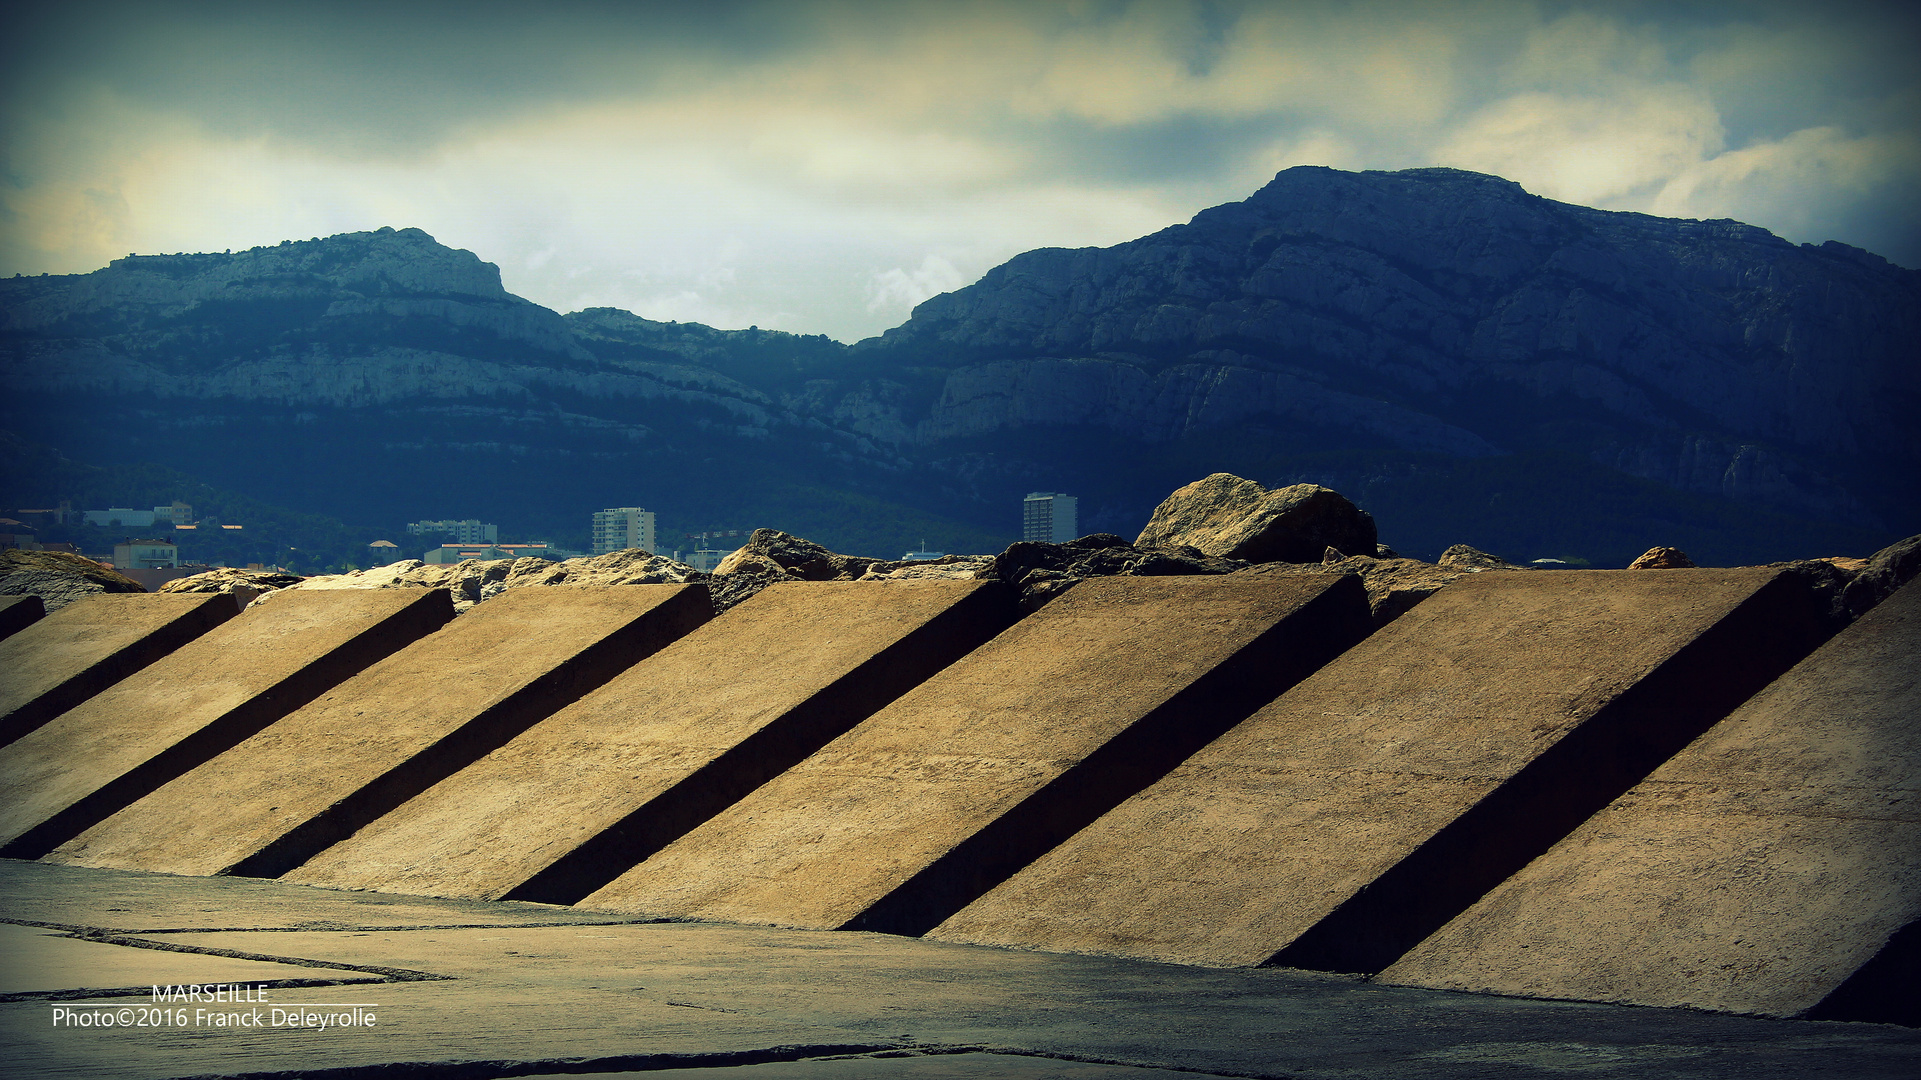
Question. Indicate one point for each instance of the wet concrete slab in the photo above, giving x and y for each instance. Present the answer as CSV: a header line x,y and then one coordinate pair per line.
x,y
1361,810
964,779
56,663
581,796
582,999
397,728
1773,866
195,702
19,612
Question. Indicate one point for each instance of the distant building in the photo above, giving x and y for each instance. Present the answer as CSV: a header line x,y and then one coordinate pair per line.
x,y
466,531
1050,518
177,514
383,553
145,555
706,559
120,517
623,527
453,553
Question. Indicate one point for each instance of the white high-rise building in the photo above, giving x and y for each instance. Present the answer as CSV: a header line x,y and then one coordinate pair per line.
x,y
1050,518
623,527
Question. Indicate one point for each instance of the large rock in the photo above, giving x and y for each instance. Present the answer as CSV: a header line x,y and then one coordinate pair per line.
x,y
1044,571
1473,560
1662,558
243,585
475,580
773,551
1231,518
1886,571
59,578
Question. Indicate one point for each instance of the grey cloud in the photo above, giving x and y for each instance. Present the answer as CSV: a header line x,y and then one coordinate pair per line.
x,y
858,139
377,78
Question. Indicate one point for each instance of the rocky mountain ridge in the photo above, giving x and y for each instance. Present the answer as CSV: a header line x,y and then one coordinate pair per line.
x,y
1712,356
1365,329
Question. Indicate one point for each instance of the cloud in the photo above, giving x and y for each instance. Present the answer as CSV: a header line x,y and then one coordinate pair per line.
x,y
1771,182
1588,150
754,162
898,290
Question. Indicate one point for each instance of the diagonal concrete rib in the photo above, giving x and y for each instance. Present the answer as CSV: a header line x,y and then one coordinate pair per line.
x,y
391,732
575,800
195,702
960,782
19,612
1773,866
67,657
1364,808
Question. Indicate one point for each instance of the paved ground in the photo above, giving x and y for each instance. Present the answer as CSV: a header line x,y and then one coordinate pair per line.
x,y
471,989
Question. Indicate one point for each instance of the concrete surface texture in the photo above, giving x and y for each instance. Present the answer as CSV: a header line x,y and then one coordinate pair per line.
x,y
965,778
58,662
581,796
1356,813
191,704
38,960
481,990
390,732
19,612
1768,865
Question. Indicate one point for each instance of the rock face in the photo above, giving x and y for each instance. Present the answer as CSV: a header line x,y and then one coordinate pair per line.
x,y
1455,296
58,578
1230,518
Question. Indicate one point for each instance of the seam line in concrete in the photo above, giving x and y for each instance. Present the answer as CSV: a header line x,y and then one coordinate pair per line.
x,y
669,1063
111,937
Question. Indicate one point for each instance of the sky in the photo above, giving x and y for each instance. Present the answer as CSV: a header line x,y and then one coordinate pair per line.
x,y
821,167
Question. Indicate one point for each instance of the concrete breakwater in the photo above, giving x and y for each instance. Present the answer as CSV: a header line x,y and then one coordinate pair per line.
x,y
1564,784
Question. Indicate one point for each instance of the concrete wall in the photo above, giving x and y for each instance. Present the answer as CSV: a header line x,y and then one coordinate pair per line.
x,y
1565,784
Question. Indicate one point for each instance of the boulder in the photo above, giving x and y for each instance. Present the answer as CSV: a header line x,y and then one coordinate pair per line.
x,y
59,578
1224,516
1827,580
246,585
1393,584
950,567
1662,558
771,551
1043,571
1473,560
476,580
1886,570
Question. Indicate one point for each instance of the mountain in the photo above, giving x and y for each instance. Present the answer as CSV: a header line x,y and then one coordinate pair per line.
x,y
1471,362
